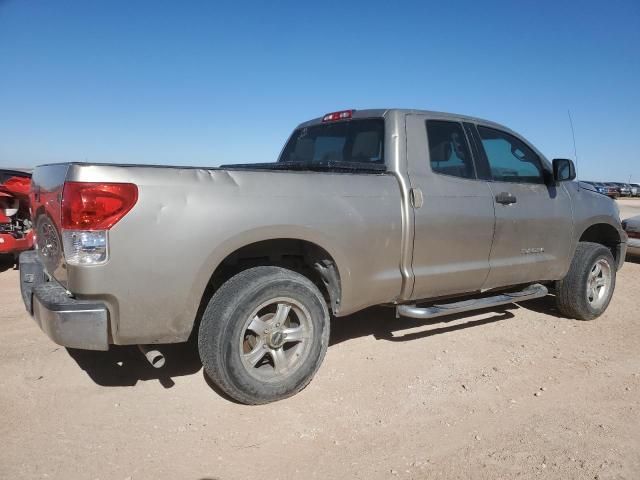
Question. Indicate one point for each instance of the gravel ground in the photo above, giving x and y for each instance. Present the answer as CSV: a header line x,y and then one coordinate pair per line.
x,y
512,393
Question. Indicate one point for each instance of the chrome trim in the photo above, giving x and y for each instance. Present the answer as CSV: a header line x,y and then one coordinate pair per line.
x,y
85,329
439,310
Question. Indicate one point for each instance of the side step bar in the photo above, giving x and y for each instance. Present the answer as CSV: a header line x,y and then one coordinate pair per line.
x,y
438,310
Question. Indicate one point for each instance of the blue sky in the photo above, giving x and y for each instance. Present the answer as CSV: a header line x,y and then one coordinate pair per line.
x,y
204,83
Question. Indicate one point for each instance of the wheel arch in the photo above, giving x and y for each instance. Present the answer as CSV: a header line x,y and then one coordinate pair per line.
x,y
605,234
297,249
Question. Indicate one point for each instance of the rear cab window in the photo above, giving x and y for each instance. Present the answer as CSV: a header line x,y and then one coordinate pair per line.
x,y
352,142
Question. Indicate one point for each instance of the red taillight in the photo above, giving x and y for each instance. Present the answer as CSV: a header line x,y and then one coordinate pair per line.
x,y
343,115
96,206
633,234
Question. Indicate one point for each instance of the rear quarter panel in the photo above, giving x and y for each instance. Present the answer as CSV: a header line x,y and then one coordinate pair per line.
x,y
186,222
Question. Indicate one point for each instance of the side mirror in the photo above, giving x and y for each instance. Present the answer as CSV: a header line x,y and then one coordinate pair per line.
x,y
563,170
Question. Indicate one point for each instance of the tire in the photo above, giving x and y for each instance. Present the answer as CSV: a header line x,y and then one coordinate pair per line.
x,y
233,335
574,292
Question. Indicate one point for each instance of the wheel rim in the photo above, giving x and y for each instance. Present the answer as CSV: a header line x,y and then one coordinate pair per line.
x,y
276,339
48,240
599,283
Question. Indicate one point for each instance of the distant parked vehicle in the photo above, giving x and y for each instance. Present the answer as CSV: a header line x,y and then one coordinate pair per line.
x,y
615,190
625,189
609,191
599,187
632,227
612,191
635,189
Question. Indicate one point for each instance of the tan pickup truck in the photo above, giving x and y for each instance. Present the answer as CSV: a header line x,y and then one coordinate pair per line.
x,y
431,213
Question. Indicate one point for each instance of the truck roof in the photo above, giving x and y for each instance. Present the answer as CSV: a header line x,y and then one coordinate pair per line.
x,y
382,112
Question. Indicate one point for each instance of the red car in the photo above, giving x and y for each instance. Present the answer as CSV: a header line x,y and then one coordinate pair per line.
x,y
16,232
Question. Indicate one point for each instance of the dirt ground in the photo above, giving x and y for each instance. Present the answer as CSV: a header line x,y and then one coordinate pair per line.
x,y
511,393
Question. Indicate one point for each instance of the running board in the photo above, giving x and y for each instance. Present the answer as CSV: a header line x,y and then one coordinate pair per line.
x,y
438,310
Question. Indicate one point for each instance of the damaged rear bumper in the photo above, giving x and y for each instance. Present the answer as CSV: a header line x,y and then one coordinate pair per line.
x,y
67,321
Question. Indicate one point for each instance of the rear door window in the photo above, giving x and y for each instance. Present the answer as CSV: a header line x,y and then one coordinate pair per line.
x,y
448,149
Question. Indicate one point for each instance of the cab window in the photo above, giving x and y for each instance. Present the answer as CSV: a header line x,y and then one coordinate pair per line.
x,y
354,141
510,160
448,150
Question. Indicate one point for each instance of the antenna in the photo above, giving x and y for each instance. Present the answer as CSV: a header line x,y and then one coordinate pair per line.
x,y
573,134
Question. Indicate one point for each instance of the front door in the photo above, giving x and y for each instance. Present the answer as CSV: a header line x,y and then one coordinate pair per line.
x,y
533,217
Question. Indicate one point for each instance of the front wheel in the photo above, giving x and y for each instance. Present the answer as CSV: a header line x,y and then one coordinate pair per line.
x,y
586,291
264,334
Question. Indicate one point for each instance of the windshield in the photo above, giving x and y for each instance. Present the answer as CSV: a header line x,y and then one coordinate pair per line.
x,y
350,142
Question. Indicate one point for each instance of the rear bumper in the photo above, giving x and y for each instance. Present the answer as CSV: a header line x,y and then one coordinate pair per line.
x,y
633,246
67,321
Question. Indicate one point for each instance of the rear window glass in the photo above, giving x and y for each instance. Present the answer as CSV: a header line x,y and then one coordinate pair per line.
x,y
354,141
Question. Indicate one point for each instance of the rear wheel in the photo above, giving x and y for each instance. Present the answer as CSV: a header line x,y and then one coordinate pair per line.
x,y
587,289
264,334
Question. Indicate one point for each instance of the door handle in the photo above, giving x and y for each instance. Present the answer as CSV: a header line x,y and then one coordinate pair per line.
x,y
417,200
506,198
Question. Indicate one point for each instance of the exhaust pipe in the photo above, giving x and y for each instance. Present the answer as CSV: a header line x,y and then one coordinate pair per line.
x,y
153,356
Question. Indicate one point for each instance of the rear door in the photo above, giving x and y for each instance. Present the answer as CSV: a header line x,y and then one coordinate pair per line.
x,y
453,209
534,225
